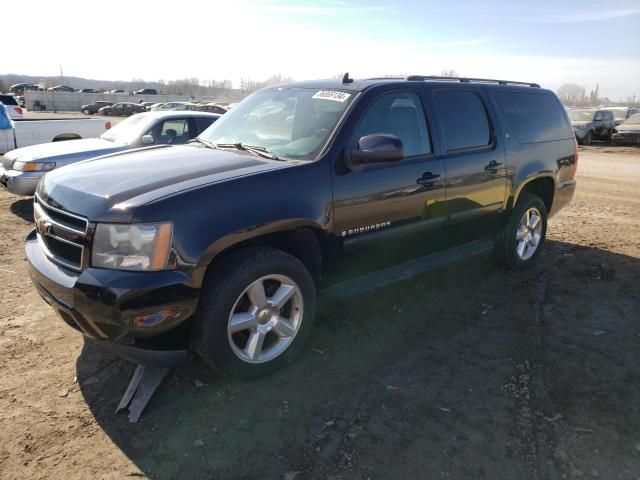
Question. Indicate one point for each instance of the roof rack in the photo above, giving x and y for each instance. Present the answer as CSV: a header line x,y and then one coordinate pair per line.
x,y
417,78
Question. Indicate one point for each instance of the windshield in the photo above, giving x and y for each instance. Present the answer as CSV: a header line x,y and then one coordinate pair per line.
x,y
581,115
633,120
128,130
289,122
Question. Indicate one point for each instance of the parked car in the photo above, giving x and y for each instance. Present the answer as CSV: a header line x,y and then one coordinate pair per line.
x,y
155,106
175,106
223,248
19,88
13,107
211,107
61,88
147,105
589,124
622,113
94,107
118,90
17,173
146,91
122,109
88,90
628,131
144,129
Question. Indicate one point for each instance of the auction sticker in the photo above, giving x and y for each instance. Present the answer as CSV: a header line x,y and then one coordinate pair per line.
x,y
332,95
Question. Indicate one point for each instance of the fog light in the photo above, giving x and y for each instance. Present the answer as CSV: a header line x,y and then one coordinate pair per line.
x,y
153,319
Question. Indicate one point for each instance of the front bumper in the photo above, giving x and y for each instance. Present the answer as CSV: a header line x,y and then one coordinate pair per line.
x,y
626,137
580,134
102,304
20,183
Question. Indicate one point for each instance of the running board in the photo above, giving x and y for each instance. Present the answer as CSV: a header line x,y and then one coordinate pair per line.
x,y
404,271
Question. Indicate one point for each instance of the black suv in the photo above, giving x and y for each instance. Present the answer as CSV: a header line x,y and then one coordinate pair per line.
x,y
220,247
146,91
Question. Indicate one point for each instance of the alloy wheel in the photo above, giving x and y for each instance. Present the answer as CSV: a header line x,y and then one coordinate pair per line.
x,y
265,319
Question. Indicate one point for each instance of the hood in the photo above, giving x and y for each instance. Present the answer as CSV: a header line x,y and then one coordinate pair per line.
x,y
580,124
628,127
111,188
73,149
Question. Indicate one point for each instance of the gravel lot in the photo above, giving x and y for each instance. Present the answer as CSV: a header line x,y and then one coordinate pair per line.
x,y
469,372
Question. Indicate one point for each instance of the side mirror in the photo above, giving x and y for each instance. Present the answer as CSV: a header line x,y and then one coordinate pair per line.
x,y
376,148
147,139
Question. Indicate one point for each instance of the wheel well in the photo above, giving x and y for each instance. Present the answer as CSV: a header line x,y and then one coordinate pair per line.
x,y
543,188
67,136
303,243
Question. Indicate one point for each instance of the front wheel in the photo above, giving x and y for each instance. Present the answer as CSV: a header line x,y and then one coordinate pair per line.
x,y
86,111
256,312
588,139
521,239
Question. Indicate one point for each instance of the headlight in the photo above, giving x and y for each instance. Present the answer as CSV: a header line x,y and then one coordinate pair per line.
x,y
132,247
22,166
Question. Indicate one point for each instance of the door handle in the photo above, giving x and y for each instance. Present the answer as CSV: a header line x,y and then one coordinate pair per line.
x,y
427,179
492,167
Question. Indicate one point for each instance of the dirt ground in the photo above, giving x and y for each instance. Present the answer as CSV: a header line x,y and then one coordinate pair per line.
x,y
468,372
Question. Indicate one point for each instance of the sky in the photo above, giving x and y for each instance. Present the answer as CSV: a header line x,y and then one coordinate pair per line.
x,y
588,42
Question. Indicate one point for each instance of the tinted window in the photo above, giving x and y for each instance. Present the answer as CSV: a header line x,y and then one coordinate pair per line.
x,y
535,117
398,114
464,119
8,100
203,123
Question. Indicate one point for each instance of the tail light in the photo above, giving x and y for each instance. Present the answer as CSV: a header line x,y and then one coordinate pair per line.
x,y
107,125
575,157
18,110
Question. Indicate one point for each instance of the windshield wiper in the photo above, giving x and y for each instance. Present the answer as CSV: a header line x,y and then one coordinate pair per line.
x,y
255,149
206,143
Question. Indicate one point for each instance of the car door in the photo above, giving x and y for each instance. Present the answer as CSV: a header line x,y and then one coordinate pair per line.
x,y
474,156
599,123
394,203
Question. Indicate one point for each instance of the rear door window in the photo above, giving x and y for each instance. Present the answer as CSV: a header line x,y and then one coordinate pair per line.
x,y
464,119
203,123
533,117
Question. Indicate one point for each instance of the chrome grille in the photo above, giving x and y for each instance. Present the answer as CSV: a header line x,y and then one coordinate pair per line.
x,y
61,234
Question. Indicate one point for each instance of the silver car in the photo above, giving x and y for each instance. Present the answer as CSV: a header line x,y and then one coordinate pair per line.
x,y
22,168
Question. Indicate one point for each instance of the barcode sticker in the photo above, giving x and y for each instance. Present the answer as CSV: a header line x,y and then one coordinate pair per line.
x,y
332,95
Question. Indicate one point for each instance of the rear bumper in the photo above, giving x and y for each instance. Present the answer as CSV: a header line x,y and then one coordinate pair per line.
x,y
19,183
564,194
103,304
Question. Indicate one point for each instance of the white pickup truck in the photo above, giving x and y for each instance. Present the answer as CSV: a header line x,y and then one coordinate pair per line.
x,y
28,132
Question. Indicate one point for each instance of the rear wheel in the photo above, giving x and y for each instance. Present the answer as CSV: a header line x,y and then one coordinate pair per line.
x,y
521,240
256,312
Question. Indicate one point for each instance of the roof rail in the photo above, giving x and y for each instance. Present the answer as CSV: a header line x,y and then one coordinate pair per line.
x,y
414,78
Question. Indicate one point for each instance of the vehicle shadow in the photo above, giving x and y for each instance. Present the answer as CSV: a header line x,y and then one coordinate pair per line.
x,y
23,208
411,381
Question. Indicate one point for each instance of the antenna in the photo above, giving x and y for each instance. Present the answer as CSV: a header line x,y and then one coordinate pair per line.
x,y
346,79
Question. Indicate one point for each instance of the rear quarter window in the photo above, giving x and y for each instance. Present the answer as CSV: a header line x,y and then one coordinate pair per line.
x,y
533,117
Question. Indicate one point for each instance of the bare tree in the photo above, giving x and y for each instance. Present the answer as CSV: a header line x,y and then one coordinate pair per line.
x,y
571,94
449,72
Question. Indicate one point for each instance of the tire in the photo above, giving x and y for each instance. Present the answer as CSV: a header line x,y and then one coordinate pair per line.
x,y
509,248
588,139
237,337
86,111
